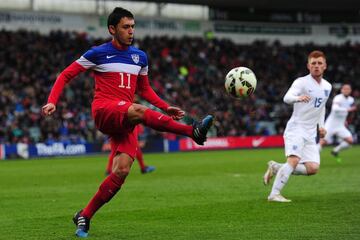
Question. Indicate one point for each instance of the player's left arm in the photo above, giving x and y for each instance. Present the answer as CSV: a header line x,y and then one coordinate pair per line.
x,y
353,107
336,106
321,123
145,91
322,130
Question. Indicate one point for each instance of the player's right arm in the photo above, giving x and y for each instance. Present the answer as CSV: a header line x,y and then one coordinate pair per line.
x,y
65,77
336,105
74,69
294,94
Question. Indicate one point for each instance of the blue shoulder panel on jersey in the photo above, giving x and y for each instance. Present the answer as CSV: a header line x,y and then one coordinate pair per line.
x,y
107,53
91,55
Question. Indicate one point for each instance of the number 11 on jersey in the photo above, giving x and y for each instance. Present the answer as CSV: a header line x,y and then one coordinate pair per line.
x,y
122,81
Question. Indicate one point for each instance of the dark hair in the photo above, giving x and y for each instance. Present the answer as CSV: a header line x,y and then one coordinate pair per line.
x,y
117,14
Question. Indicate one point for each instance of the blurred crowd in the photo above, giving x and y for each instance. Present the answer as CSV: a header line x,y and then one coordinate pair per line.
x,y
186,72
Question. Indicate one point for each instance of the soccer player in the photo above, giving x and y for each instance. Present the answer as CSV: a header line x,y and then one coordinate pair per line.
x,y
120,71
308,95
139,155
342,104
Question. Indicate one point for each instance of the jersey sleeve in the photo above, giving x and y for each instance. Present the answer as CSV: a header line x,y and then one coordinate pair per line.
x,y
64,77
336,105
322,118
145,91
293,93
352,101
86,61
144,68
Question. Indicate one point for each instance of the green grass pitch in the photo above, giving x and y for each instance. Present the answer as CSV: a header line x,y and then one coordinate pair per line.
x,y
195,195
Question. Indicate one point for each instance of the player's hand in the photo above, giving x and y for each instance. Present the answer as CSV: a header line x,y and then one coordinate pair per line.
x,y
304,99
175,112
48,109
352,109
322,132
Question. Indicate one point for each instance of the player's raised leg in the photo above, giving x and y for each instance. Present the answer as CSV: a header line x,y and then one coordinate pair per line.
x,y
164,123
271,171
273,168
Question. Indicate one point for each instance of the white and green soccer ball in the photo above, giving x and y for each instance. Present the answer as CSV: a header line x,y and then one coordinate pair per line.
x,y
240,82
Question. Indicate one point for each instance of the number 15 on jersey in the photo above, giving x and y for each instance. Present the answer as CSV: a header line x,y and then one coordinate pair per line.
x,y
318,102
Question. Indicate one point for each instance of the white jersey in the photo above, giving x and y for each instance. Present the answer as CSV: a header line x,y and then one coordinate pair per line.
x,y
306,116
339,111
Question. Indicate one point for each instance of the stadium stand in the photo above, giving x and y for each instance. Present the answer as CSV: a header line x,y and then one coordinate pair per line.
x,y
187,71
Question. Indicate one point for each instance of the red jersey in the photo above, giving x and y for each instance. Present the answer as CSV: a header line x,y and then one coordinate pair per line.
x,y
119,74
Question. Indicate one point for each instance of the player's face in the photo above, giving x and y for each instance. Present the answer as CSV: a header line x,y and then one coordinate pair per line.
x,y
346,90
316,67
123,33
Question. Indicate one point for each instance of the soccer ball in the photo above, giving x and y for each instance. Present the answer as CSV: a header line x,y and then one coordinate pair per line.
x,y
240,82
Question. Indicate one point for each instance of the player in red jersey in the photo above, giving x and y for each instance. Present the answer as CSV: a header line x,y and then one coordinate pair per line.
x,y
139,154
120,71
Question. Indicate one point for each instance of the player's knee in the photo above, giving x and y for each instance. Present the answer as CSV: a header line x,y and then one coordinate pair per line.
x,y
312,169
293,160
121,171
136,113
121,165
349,140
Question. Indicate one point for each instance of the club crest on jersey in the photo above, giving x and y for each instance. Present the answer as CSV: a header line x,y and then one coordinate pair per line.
x,y
326,93
121,103
135,58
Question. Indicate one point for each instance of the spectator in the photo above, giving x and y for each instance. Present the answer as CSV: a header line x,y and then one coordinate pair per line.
x,y
180,68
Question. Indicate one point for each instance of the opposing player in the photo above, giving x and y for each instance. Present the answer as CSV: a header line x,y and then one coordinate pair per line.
x,y
308,94
139,154
120,70
342,104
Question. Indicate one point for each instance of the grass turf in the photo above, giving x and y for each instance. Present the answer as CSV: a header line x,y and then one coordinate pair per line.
x,y
196,195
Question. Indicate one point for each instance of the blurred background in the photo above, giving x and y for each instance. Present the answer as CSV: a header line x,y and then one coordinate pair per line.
x,y
191,45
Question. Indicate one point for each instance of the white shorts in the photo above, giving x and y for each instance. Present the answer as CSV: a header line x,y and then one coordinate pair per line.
x,y
306,150
341,133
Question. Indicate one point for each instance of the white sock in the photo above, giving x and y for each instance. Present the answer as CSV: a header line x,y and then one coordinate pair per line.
x,y
342,145
300,169
281,178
